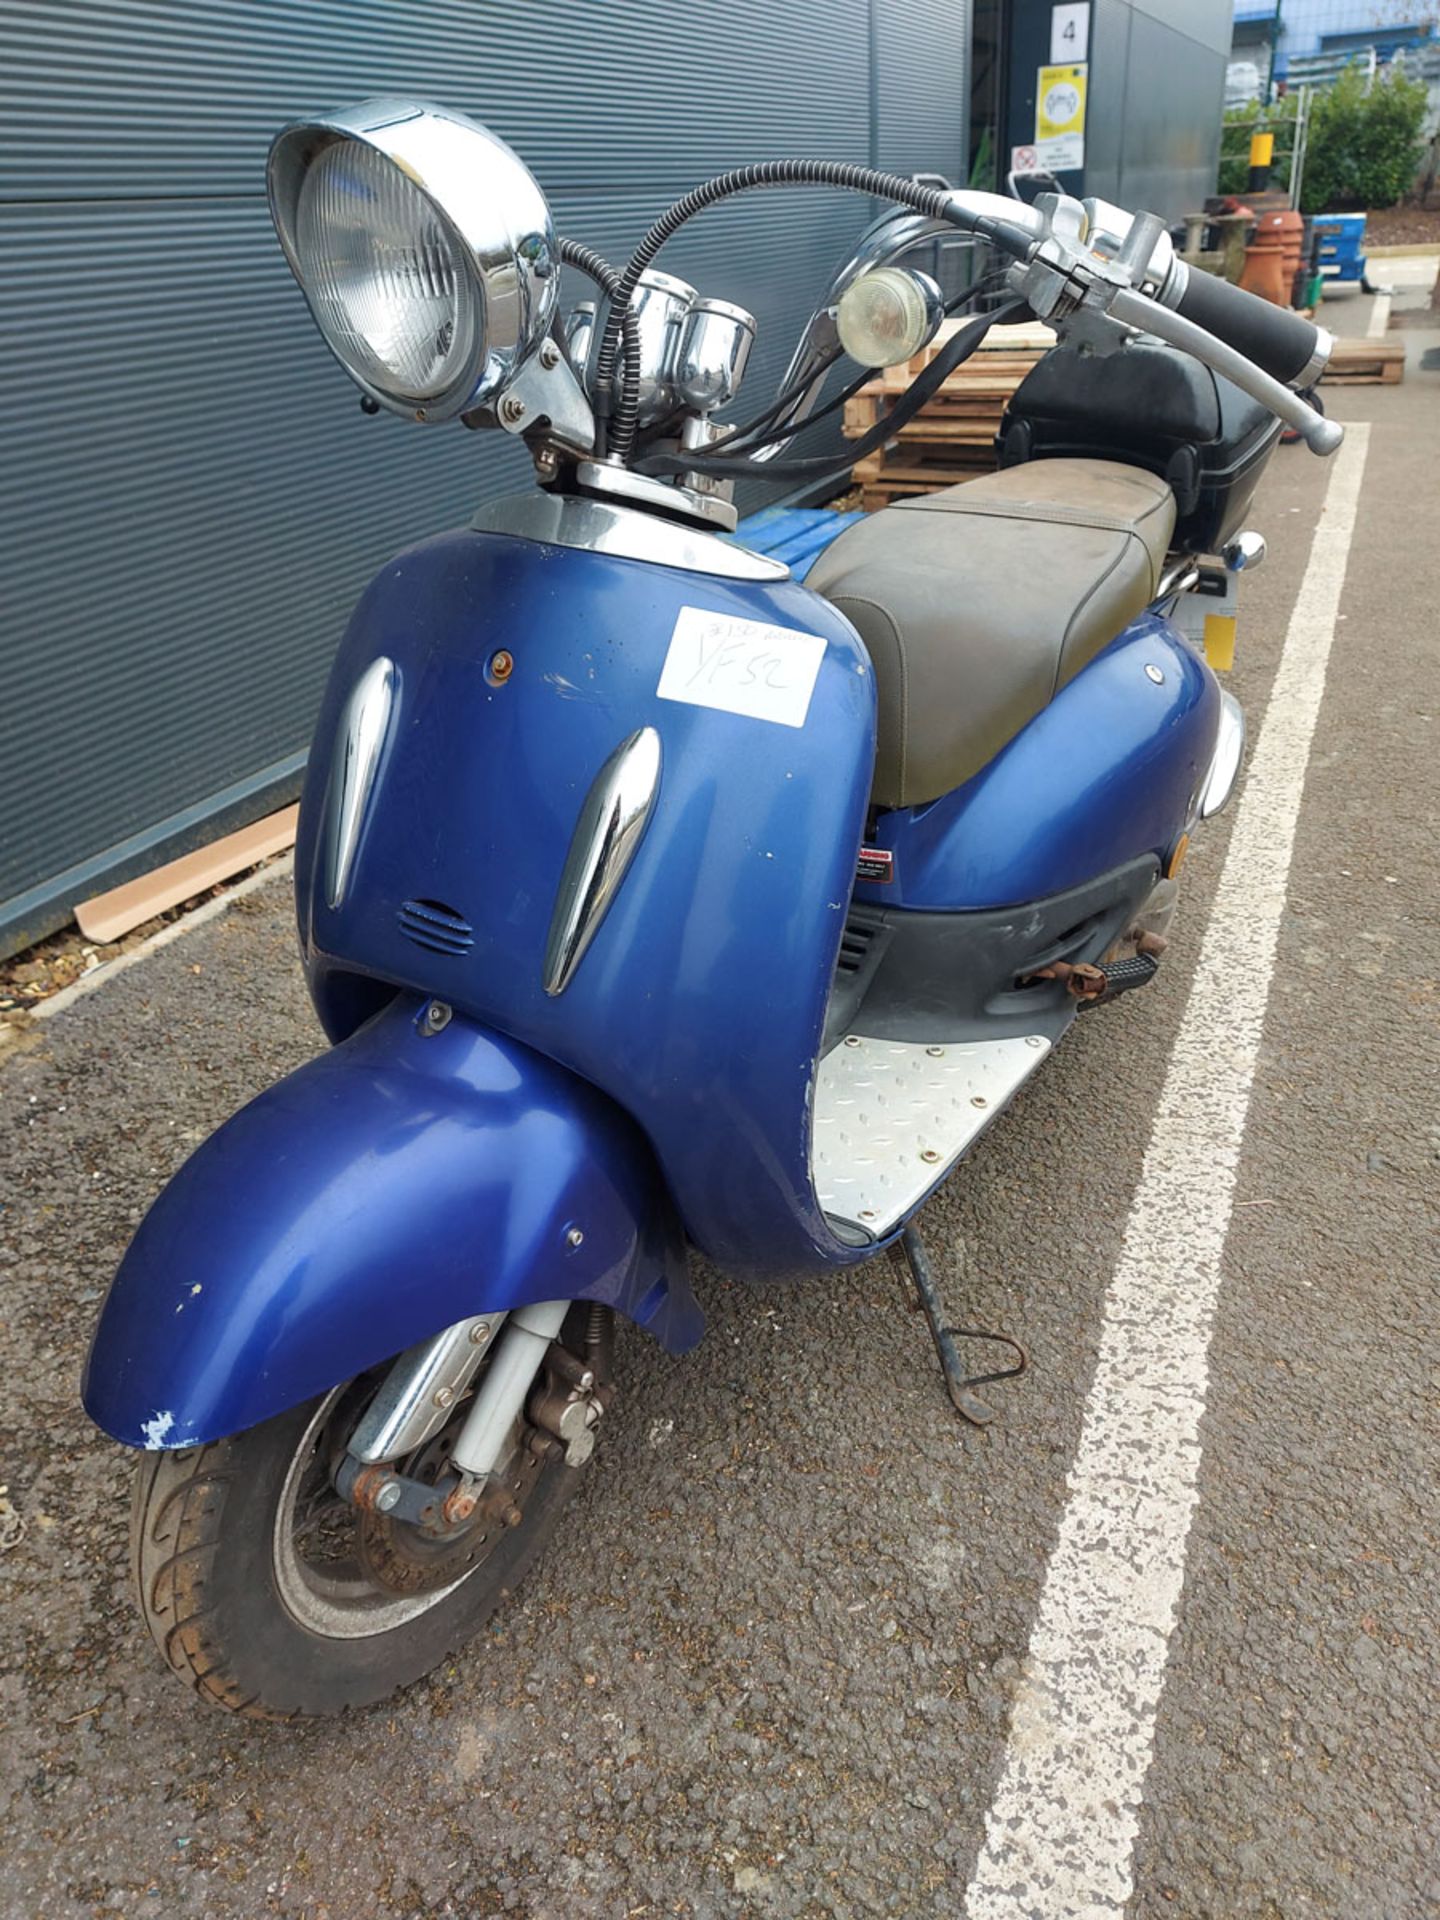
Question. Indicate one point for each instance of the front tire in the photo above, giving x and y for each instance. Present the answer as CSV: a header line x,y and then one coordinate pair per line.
x,y
244,1617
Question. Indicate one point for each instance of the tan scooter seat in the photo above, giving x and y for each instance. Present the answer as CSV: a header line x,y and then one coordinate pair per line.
x,y
977,604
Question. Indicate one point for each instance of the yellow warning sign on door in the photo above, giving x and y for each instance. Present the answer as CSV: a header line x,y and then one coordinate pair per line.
x,y
1060,102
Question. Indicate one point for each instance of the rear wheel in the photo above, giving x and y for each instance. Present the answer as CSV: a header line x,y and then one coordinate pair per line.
x,y
272,1596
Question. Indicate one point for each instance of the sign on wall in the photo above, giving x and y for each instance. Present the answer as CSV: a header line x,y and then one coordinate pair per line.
x,y
1060,116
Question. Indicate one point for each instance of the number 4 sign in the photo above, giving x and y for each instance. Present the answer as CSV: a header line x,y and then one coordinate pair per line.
x,y
1070,34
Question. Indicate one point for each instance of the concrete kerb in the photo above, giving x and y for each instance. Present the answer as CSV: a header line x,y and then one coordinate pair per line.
x,y
187,923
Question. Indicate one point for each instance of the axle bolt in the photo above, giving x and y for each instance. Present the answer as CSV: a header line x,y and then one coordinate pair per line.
x,y
387,1498
458,1507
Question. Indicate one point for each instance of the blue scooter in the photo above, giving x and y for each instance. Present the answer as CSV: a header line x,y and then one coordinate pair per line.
x,y
646,895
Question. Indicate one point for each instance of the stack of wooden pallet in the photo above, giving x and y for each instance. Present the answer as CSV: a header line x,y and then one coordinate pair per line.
x,y
952,437
1366,363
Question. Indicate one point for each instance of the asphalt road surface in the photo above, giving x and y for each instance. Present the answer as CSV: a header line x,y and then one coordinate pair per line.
x,y
772,1665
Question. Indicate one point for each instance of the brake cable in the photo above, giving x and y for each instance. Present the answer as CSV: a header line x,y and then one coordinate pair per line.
x,y
748,433
786,398
768,173
597,268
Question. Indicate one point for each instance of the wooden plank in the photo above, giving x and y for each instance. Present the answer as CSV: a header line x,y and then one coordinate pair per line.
x,y
1032,337
960,433
1388,373
109,916
978,432
1366,363
921,476
1001,377
882,478
952,437
1366,350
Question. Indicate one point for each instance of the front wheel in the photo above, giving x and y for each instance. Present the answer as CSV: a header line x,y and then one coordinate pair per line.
x,y
273,1597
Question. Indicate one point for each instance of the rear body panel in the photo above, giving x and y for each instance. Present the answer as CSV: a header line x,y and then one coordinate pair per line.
x,y
1106,774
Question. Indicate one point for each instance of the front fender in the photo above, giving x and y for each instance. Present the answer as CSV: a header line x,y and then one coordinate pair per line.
x,y
394,1185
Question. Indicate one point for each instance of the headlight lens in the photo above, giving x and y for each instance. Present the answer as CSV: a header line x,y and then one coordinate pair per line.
x,y
385,276
424,247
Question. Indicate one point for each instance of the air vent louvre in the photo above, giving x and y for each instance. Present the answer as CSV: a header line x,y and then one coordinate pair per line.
x,y
433,925
854,946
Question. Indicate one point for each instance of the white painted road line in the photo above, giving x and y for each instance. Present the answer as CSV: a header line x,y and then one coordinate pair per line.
x,y
1379,317
1061,1830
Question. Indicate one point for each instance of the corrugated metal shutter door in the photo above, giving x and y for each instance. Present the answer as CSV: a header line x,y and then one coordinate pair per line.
x,y
190,496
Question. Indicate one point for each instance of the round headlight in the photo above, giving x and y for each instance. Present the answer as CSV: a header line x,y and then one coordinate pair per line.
x,y
424,247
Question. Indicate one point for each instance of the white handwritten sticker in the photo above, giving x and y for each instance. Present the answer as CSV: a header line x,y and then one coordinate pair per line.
x,y
741,666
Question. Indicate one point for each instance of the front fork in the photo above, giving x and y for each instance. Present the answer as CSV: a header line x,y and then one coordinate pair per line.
x,y
423,1386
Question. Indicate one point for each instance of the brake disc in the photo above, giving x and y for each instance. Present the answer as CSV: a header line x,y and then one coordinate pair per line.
x,y
409,1559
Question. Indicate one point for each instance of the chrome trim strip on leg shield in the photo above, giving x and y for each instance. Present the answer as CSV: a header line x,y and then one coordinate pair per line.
x,y
612,822
360,737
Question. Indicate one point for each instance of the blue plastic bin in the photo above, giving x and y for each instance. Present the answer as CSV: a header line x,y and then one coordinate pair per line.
x,y
1342,235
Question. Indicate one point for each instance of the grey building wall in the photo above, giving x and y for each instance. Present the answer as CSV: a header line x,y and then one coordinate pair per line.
x,y
1156,98
191,499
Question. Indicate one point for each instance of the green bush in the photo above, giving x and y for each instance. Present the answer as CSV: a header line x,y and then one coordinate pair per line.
x,y
1362,149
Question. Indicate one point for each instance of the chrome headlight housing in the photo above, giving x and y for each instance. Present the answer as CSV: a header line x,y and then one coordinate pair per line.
x,y
424,247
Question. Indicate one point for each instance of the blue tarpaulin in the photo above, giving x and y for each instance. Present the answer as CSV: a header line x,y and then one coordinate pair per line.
x,y
796,535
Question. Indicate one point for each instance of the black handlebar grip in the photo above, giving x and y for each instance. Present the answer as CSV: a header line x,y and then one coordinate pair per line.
x,y
1288,348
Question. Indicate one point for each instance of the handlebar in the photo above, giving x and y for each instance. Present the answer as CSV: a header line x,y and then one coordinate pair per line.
x,y
1320,434
1094,271
1094,263
1280,343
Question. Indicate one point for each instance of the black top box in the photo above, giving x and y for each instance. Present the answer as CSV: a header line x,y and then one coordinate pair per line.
x,y
1148,405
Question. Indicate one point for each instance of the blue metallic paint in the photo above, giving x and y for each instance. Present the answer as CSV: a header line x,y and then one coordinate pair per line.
x,y
1107,772
699,1007
405,1180
398,1183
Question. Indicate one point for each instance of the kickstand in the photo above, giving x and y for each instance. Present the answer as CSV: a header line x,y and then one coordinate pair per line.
x,y
957,1383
